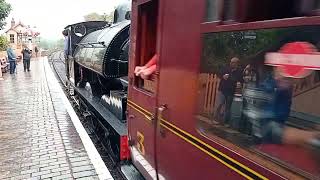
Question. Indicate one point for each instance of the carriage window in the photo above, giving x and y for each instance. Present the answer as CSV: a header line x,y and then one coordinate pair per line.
x,y
146,60
249,95
252,10
212,10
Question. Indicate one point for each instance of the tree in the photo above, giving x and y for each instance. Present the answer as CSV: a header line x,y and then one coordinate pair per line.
x,y
94,17
97,17
108,17
5,9
3,43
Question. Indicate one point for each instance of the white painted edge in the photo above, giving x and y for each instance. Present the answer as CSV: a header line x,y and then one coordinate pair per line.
x,y
100,167
138,158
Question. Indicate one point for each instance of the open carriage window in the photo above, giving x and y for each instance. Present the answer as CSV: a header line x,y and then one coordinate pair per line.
x,y
146,59
260,90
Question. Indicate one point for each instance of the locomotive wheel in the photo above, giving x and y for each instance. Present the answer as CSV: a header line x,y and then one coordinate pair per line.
x,y
108,140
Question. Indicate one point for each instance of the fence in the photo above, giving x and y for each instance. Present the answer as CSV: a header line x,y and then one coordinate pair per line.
x,y
209,84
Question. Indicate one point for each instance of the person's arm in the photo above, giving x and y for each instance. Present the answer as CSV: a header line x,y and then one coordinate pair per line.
x,y
240,76
9,53
148,71
220,72
152,61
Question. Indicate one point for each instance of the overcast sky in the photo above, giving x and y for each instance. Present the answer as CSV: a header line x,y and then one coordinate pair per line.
x,y
50,16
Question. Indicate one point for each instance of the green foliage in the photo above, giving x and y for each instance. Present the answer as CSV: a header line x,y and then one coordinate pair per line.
x,y
60,44
93,17
5,9
97,17
45,43
51,44
219,48
108,17
3,43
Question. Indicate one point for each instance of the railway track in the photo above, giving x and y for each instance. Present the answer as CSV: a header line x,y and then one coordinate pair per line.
x,y
56,60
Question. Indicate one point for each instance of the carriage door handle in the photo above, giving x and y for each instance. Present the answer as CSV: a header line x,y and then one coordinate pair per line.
x,y
161,109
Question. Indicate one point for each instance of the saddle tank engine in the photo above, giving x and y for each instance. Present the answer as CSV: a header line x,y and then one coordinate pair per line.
x,y
97,69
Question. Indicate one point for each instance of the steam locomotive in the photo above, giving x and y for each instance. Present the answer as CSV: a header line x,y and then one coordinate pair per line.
x,y
97,69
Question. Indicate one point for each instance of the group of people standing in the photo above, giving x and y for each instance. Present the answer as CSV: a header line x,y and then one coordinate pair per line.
x,y
12,58
266,107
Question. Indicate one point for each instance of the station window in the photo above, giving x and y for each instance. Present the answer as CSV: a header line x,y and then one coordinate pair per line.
x,y
146,46
246,98
252,10
11,38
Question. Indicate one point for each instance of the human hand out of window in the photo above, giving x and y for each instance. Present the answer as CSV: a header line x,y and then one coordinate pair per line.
x,y
145,71
138,70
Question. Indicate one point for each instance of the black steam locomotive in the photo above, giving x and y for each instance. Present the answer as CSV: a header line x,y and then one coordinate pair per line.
x,y
97,69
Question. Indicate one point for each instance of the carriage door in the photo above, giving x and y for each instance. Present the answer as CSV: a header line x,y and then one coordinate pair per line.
x,y
142,92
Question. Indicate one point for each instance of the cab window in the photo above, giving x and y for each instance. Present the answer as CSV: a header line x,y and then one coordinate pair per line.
x,y
146,59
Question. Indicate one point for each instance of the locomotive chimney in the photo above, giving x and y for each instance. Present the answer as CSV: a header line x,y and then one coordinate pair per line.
x,y
13,23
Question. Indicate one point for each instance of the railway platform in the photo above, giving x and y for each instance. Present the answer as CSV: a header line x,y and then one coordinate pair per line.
x,y
40,135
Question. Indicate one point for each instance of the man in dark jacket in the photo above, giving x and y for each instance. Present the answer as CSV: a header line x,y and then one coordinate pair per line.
x,y
26,55
12,59
231,78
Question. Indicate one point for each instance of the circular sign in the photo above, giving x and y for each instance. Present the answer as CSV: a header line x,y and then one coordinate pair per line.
x,y
296,59
293,70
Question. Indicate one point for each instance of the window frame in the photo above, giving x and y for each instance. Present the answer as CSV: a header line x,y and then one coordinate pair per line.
x,y
209,27
216,27
12,38
141,42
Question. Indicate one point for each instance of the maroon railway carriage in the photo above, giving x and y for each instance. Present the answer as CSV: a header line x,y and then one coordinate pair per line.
x,y
175,126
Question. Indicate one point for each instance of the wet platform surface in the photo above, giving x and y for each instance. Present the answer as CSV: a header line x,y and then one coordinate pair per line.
x,y
39,135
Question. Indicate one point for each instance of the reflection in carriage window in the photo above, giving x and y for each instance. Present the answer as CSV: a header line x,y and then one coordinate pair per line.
x,y
248,98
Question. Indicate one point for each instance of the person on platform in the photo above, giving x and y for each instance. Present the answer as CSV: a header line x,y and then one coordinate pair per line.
x,y
26,56
231,79
36,50
65,33
12,59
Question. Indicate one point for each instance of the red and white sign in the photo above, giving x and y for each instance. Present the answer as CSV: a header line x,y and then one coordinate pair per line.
x,y
296,59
